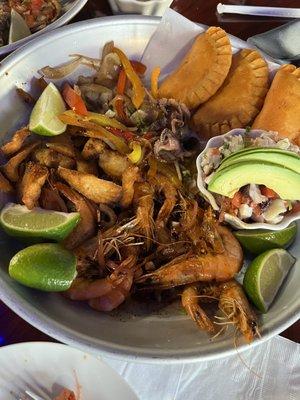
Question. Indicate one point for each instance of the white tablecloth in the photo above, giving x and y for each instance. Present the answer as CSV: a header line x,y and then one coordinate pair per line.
x,y
276,362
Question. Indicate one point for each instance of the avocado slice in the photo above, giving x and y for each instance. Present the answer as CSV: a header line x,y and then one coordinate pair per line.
x,y
286,159
282,180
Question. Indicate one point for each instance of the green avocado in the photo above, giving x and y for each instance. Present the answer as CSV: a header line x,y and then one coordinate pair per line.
x,y
285,182
265,149
286,159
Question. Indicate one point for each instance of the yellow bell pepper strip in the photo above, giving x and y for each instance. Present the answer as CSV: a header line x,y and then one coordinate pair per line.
x,y
154,82
95,131
99,119
137,153
138,89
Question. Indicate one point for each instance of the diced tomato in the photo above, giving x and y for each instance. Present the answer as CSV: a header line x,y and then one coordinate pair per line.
x,y
74,100
237,200
139,67
256,209
269,193
121,82
296,207
215,151
36,6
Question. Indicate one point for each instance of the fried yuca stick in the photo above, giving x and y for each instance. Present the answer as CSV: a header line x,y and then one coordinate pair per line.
x,y
5,186
33,180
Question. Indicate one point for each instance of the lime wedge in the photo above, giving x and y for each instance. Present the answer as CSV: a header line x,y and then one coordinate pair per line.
x,y
265,275
20,222
18,28
44,117
44,266
259,240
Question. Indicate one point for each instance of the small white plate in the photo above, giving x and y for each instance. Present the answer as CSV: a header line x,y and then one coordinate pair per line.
x,y
46,368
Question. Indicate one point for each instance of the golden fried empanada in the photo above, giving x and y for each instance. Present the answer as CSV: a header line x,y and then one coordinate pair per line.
x,y
281,109
238,100
202,71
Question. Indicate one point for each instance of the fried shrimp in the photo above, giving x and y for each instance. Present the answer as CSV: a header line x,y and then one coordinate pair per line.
x,y
107,293
190,303
87,224
200,268
236,308
130,176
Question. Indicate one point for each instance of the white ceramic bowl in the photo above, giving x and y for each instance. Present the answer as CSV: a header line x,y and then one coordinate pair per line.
x,y
218,141
144,7
136,331
69,8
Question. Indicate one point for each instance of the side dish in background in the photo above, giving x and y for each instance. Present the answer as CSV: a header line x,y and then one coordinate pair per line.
x,y
122,156
20,18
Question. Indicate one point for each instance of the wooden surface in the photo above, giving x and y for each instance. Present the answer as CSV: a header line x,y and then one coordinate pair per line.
x,y
12,328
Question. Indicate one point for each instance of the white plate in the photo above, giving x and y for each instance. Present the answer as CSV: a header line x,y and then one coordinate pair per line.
x,y
69,8
45,368
136,333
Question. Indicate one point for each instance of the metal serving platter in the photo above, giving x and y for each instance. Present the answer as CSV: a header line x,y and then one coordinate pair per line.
x,y
135,332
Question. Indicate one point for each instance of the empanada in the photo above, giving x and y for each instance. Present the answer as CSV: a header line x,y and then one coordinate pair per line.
x,y
281,109
202,71
239,99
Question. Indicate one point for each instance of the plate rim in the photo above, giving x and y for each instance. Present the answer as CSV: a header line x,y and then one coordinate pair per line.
x,y
67,335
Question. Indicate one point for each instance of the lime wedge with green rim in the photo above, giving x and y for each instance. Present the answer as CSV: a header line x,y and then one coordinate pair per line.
x,y
18,28
259,240
44,116
265,275
44,266
18,221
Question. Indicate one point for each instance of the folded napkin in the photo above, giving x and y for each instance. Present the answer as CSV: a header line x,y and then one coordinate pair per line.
x,y
274,375
282,43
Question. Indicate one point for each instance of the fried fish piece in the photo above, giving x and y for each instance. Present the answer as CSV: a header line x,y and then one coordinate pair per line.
x,y
51,159
202,71
11,168
113,163
238,100
62,144
16,141
92,149
89,167
281,109
33,180
95,189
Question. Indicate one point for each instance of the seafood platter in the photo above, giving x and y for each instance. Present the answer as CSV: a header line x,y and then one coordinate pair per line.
x,y
150,218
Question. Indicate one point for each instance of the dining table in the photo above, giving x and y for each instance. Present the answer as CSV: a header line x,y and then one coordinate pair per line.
x,y
13,329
